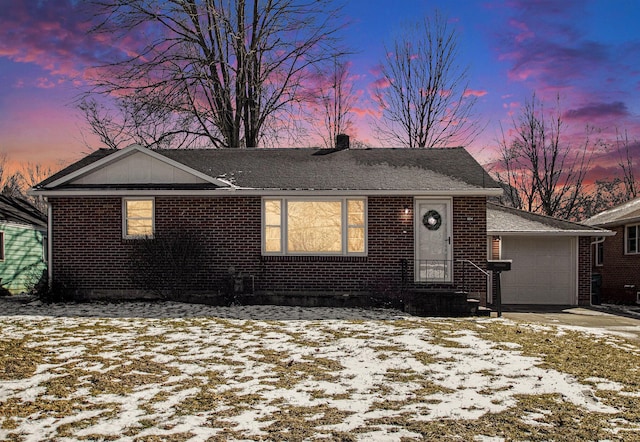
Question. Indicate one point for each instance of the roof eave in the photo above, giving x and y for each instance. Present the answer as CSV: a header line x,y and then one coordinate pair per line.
x,y
259,192
551,232
618,222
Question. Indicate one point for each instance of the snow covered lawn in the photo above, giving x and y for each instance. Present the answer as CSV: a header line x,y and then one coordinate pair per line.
x,y
171,371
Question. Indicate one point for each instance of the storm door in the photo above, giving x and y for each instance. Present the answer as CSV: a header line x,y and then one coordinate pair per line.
x,y
433,260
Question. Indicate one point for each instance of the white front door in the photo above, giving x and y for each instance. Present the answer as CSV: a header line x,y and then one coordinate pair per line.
x,y
433,262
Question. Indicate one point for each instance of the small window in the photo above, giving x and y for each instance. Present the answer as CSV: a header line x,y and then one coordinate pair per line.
x,y
45,248
138,217
328,226
1,246
598,251
632,240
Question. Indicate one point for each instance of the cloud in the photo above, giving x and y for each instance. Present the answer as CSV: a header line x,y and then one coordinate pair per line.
x,y
599,110
52,35
547,45
554,63
474,93
44,83
381,83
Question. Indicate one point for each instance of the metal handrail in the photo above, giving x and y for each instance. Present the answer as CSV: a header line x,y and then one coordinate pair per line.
x,y
475,265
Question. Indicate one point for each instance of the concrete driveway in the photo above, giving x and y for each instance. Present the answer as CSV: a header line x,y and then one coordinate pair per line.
x,y
608,318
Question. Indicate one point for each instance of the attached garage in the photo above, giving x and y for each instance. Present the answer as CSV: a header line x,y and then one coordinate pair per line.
x,y
551,260
544,270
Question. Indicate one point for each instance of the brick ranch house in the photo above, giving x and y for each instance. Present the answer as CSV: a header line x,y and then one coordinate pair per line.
x,y
616,259
273,225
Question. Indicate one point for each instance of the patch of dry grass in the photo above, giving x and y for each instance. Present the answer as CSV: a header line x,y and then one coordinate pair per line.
x,y
146,359
17,359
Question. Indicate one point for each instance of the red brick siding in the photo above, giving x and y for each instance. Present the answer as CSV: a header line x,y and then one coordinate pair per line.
x,y
470,242
584,270
88,248
618,270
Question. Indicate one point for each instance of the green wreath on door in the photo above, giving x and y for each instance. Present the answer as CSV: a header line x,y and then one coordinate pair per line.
x,y
432,220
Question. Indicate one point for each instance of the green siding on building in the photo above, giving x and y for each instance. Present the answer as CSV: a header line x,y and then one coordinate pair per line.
x,y
23,262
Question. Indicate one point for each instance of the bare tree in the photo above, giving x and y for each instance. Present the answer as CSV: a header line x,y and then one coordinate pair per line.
x,y
542,172
16,180
334,99
133,120
33,173
11,184
625,161
226,71
610,192
423,93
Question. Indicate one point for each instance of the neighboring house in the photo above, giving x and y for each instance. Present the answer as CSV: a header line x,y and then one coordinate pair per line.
x,y
551,258
616,260
23,230
293,224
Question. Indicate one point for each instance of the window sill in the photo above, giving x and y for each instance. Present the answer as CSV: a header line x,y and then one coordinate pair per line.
x,y
313,258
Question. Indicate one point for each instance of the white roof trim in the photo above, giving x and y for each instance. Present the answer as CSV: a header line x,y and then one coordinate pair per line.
x,y
24,225
552,233
124,153
237,191
619,222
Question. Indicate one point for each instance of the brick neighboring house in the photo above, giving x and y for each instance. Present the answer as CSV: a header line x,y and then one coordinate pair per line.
x,y
616,259
283,225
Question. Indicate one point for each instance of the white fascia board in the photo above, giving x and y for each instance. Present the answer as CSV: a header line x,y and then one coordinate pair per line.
x,y
252,192
22,226
619,222
124,153
552,233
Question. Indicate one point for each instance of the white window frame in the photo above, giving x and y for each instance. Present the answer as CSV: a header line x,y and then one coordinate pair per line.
x,y
125,235
598,251
626,239
284,228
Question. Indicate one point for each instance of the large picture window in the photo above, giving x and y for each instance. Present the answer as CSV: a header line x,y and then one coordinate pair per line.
x,y
138,217
331,226
632,240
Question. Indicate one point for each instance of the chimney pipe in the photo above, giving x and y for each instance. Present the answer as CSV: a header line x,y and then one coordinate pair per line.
x,y
342,141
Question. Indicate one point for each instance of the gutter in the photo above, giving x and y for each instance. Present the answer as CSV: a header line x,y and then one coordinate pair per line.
x,y
262,192
557,233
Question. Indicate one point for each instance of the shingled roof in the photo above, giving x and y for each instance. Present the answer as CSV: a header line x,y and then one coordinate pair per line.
x,y
626,213
450,169
502,220
18,211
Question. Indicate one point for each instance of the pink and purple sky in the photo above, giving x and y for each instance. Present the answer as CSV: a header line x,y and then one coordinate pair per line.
x,y
587,51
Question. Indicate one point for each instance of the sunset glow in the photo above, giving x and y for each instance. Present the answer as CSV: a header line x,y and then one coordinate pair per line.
x,y
585,51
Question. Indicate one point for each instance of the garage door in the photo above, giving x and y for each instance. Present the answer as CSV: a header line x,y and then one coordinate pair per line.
x,y
543,270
